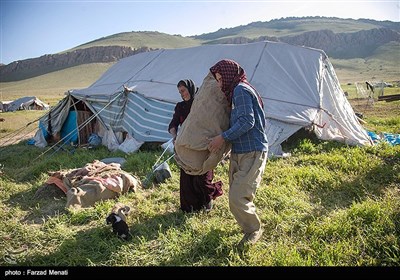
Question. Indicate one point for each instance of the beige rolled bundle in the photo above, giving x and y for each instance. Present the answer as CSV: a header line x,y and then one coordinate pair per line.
x,y
208,117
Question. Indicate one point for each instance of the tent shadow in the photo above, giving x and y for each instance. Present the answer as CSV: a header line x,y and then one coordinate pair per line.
x,y
151,229
203,248
38,207
82,247
80,250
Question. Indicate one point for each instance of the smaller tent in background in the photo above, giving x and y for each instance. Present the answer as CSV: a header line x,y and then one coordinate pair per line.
x,y
26,103
4,105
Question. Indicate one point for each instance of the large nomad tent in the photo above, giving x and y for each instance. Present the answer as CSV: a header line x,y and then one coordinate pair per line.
x,y
298,85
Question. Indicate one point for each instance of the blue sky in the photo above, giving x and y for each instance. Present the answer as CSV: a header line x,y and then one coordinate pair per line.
x,y
33,28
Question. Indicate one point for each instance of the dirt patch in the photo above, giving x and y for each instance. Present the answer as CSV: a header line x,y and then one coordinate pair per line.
x,y
13,138
376,109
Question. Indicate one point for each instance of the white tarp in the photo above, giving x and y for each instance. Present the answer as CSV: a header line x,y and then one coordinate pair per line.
x,y
298,86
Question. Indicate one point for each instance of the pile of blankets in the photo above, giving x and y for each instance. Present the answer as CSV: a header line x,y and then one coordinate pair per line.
x,y
94,182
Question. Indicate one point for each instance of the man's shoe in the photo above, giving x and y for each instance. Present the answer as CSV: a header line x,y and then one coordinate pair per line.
x,y
251,238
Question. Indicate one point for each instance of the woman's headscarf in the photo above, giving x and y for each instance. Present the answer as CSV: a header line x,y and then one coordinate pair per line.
x,y
232,74
189,84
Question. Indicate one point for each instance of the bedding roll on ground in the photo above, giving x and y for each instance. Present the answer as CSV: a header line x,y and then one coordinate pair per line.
x,y
208,117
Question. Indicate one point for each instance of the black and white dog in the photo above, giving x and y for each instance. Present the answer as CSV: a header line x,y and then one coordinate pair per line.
x,y
120,227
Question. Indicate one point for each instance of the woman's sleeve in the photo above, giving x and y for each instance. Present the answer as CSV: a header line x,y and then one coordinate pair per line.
x,y
175,121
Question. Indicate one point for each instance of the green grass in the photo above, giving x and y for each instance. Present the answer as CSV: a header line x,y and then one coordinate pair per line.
x,y
328,204
380,116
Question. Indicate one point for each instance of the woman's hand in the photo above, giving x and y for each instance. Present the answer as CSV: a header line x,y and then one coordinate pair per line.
x,y
216,143
172,131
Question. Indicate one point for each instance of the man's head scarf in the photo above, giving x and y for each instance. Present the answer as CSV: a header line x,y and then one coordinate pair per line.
x,y
232,74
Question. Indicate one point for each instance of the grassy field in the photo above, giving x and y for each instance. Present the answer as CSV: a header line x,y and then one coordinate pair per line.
x,y
327,205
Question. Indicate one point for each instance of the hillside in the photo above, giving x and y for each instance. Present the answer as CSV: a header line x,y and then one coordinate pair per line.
x,y
294,26
137,40
50,87
106,49
358,47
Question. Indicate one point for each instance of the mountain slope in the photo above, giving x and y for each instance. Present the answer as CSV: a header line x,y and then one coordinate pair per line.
x,y
295,26
137,40
341,39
